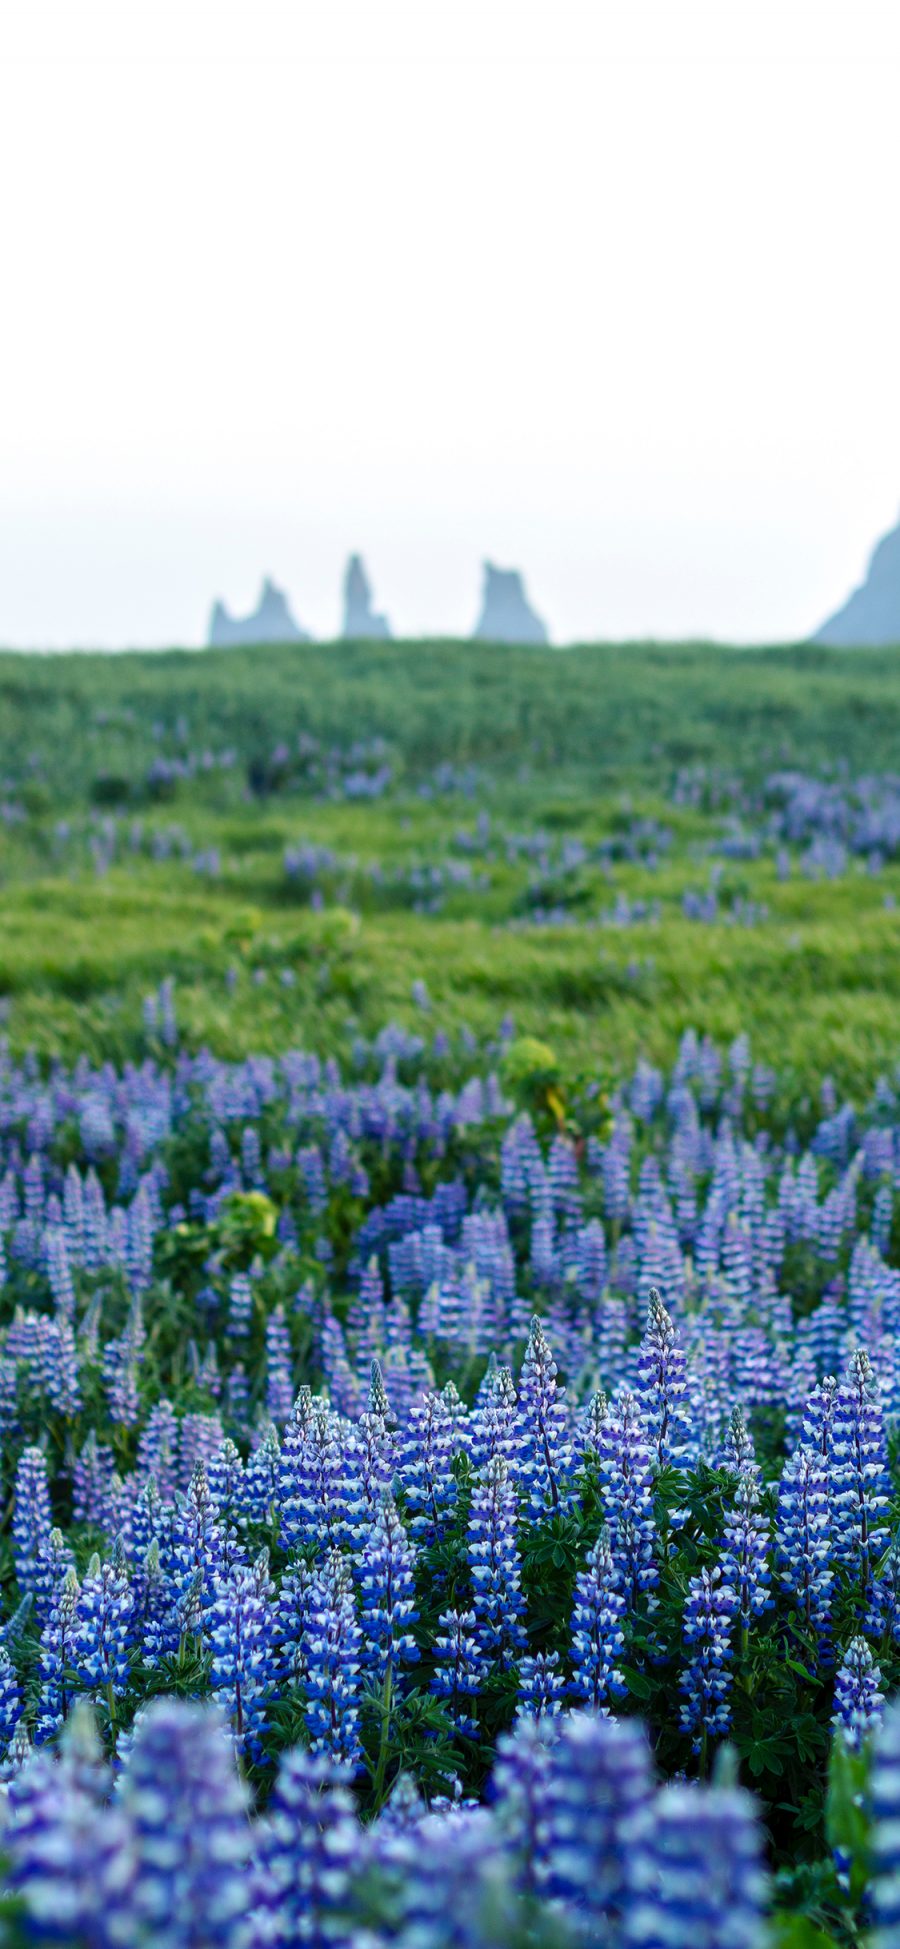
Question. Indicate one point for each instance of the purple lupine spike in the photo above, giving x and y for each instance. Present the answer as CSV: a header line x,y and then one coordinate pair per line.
x,y
709,1616
190,1839
55,1658
279,1387
10,1700
857,1700
494,1425
101,1632
545,1449
240,1306
311,1848
597,1793
461,1666
425,1455
332,1652
239,1630
541,1686
385,1573
494,1562
312,1504
747,1537
803,1537
196,1551
261,1478
597,1629
70,1864
661,1385
625,1473
859,1480
696,1871
519,1796
885,1815
32,1522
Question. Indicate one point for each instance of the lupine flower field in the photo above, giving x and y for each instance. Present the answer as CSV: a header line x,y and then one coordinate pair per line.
x,y
450,1329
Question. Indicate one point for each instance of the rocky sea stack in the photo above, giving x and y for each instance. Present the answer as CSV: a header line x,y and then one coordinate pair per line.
x,y
506,613
871,615
270,622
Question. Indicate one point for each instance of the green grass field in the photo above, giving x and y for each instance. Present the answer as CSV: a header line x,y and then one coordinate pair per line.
x,y
580,746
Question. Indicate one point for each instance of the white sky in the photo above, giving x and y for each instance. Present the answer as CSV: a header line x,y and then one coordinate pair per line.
x,y
606,292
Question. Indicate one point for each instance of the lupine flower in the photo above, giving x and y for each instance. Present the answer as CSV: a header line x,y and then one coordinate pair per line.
x,y
101,1632
662,1385
545,1454
55,1657
189,1838
804,1541
239,1628
860,1487
332,1652
624,1469
32,1521
857,1700
461,1665
696,1873
494,1561
70,1862
885,1810
746,1540
597,1633
384,1570
709,1614
541,1685
311,1847
598,1788
519,1794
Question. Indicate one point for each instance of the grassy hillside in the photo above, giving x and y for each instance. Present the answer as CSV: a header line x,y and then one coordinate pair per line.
x,y
584,839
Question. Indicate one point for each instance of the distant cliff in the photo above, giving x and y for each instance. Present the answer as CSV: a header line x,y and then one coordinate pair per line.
x,y
271,622
872,614
506,613
360,619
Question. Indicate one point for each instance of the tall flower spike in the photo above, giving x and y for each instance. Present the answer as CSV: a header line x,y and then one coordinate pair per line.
x,y
494,1562
860,1485
189,1834
696,1871
32,1521
597,1629
311,1847
384,1569
461,1666
239,1628
804,1542
709,1614
331,1650
541,1685
885,1809
598,1790
546,1449
857,1700
662,1385
626,1479
101,1633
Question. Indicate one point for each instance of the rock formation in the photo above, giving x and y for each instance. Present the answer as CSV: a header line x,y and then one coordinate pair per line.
x,y
871,615
506,613
271,622
360,619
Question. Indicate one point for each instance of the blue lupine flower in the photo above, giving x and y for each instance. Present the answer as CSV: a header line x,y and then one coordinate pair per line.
x,y
541,1685
857,1700
696,1873
598,1787
385,1573
519,1796
239,1629
189,1837
310,1850
494,1562
859,1484
101,1632
885,1811
55,1657
709,1615
32,1521
461,1666
332,1655
624,1469
545,1453
426,1452
803,1535
747,1536
597,1633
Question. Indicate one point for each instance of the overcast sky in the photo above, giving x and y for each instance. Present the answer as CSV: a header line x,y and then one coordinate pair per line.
x,y
607,292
